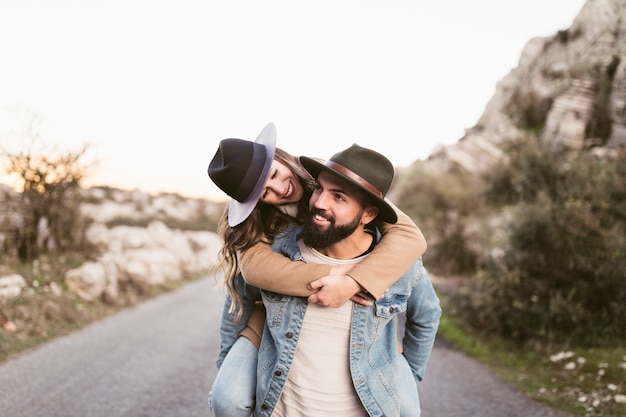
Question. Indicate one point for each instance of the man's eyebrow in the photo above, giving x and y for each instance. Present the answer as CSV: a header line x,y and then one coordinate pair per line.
x,y
337,186
339,190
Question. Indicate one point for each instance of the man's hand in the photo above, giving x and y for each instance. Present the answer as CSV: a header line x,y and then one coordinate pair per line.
x,y
336,290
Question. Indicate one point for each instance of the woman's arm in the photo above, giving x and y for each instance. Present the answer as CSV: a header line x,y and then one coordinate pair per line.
x,y
271,271
402,244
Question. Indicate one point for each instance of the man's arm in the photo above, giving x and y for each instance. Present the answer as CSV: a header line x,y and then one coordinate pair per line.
x,y
422,323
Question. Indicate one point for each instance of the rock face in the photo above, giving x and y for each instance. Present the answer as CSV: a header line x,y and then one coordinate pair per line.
x,y
150,255
568,89
127,254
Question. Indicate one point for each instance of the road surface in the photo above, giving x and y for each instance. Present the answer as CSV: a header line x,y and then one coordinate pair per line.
x,y
158,360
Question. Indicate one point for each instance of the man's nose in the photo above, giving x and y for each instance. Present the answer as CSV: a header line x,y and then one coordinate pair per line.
x,y
320,201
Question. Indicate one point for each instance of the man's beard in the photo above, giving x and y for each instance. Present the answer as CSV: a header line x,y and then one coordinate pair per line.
x,y
317,237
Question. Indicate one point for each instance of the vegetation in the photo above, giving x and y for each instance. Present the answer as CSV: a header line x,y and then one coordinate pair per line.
x,y
563,265
540,245
542,240
445,205
50,183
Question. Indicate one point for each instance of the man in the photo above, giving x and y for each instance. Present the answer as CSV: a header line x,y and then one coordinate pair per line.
x,y
319,361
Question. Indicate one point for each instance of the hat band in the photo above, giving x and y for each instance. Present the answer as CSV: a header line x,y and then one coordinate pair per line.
x,y
354,177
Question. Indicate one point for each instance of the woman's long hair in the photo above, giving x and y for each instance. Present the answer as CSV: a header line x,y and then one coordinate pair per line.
x,y
261,225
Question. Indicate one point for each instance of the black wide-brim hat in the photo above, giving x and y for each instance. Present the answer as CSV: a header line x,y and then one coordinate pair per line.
x,y
240,168
367,169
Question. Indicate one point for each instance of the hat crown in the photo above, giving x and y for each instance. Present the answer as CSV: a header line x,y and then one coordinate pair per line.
x,y
236,166
371,166
240,169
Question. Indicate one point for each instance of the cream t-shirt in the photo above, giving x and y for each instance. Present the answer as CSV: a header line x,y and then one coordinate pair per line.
x,y
319,381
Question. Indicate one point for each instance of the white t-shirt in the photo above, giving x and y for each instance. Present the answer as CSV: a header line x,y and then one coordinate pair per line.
x,y
319,381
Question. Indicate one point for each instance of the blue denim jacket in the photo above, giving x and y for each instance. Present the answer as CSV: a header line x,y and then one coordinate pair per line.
x,y
374,359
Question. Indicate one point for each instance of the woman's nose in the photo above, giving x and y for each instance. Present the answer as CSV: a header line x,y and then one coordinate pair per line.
x,y
272,185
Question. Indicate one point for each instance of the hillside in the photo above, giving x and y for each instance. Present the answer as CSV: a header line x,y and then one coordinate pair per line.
x,y
569,88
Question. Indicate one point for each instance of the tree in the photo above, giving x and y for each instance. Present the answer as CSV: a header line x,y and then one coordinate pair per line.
x,y
50,185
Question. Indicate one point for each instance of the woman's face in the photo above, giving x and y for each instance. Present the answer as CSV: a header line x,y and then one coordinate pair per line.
x,y
282,186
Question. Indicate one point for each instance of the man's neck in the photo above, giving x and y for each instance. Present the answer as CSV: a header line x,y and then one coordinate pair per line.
x,y
357,244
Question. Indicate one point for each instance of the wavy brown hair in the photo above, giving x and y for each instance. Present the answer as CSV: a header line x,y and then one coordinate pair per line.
x,y
261,225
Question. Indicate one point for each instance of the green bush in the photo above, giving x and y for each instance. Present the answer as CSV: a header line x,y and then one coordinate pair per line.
x,y
561,277
445,206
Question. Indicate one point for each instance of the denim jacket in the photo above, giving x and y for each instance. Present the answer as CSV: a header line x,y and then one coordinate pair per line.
x,y
374,358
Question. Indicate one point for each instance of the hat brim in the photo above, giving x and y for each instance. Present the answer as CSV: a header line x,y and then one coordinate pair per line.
x,y
314,167
239,211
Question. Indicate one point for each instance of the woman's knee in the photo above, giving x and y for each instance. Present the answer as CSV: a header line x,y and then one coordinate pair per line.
x,y
230,402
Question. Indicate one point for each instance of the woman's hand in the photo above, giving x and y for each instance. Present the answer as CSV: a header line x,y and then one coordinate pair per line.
x,y
336,289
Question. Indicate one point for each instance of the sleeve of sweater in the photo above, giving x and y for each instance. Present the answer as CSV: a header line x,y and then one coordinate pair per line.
x,y
271,271
402,244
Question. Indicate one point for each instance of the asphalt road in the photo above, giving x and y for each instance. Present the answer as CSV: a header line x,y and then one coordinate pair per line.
x,y
158,360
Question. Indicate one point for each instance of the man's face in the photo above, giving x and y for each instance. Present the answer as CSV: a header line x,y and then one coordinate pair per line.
x,y
336,212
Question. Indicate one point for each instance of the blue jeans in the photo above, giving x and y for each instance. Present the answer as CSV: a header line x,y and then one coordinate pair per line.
x,y
233,392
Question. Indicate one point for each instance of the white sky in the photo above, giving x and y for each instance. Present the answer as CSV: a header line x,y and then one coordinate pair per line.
x,y
153,85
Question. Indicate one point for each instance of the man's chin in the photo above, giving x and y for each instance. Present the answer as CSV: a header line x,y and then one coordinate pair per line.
x,y
313,235
320,228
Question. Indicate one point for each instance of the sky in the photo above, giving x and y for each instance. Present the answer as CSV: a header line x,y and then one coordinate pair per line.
x,y
152,86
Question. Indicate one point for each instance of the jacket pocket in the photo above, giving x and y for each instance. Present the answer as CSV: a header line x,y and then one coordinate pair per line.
x,y
276,306
390,304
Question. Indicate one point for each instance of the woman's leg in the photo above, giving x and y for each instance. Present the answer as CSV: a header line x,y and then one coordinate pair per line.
x,y
233,391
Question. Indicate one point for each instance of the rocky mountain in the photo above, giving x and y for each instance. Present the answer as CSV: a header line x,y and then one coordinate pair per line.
x,y
569,88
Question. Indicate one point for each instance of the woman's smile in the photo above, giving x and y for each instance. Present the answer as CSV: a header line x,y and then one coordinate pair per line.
x,y
290,191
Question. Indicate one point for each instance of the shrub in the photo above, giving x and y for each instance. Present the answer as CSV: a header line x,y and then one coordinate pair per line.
x,y
445,206
561,277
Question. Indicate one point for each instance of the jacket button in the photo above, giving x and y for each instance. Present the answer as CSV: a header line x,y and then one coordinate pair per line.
x,y
391,309
277,373
289,335
264,406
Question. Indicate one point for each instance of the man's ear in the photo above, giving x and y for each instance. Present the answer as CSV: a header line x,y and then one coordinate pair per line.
x,y
369,214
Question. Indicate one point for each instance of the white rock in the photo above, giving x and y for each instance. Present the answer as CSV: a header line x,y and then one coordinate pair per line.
x,y
11,286
88,281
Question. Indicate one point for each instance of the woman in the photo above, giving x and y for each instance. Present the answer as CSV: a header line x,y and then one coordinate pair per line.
x,y
270,190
